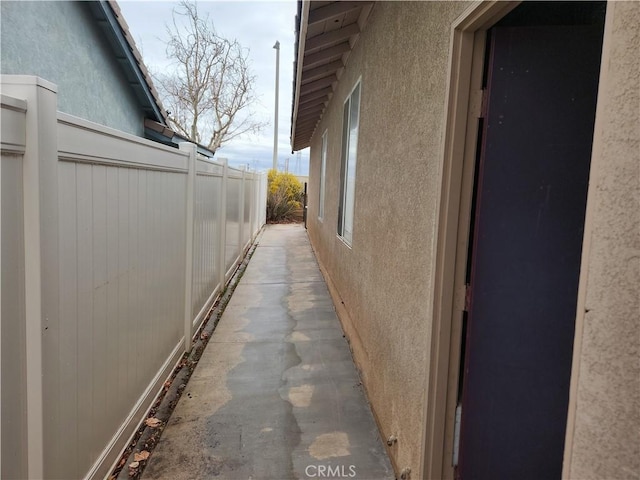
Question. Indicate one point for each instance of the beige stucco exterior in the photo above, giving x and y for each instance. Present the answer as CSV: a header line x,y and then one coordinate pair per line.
x,y
384,278
383,284
604,421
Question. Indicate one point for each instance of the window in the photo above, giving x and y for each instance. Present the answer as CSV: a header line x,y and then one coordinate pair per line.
x,y
323,168
351,120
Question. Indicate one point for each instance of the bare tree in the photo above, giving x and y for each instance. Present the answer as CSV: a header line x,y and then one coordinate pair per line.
x,y
211,82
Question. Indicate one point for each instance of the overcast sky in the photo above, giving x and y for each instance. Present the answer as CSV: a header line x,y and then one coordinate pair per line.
x,y
256,25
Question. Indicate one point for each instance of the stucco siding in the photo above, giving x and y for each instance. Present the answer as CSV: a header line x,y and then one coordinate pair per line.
x,y
384,278
60,42
382,282
606,440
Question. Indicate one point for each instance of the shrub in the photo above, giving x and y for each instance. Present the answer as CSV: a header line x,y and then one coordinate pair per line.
x,y
284,196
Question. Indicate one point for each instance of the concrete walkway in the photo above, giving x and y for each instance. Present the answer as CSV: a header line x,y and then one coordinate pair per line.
x,y
276,394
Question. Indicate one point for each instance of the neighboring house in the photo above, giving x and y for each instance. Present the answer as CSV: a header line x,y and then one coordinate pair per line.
x,y
473,203
87,51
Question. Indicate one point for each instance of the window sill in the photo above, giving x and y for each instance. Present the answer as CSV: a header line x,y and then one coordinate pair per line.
x,y
344,242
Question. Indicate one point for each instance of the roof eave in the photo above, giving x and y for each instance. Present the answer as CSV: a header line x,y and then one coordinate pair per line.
x,y
326,32
161,133
301,30
119,31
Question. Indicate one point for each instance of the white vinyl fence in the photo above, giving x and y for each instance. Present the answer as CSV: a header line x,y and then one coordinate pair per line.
x,y
113,248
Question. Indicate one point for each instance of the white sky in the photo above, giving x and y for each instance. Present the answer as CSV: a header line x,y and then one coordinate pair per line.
x,y
256,25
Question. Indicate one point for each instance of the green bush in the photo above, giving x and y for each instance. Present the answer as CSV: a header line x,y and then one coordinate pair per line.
x,y
284,196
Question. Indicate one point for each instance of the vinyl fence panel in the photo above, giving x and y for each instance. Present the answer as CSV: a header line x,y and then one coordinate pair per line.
x,y
126,275
208,218
234,190
111,258
13,386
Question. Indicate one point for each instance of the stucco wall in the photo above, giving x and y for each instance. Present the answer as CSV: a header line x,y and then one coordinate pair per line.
x,y
60,42
384,279
606,437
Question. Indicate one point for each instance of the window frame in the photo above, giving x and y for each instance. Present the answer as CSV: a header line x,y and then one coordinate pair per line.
x,y
348,164
323,175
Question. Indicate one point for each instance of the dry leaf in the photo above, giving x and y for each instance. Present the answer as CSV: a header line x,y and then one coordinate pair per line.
x,y
133,468
140,457
153,422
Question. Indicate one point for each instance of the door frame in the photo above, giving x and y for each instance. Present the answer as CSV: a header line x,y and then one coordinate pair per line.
x,y
459,145
464,99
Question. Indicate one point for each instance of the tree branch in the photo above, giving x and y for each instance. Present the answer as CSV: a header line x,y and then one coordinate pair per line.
x,y
210,82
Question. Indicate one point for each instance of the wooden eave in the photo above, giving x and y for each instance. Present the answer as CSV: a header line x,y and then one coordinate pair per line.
x,y
109,18
326,33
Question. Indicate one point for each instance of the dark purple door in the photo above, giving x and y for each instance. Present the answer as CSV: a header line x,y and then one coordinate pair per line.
x,y
527,239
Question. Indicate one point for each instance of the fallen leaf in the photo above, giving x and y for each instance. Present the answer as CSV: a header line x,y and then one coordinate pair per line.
x,y
133,468
153,422
142,456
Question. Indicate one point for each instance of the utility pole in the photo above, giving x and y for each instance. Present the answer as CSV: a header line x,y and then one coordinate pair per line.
x,y
275,121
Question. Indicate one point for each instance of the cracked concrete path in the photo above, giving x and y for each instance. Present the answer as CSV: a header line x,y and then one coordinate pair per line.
x,y
275,394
